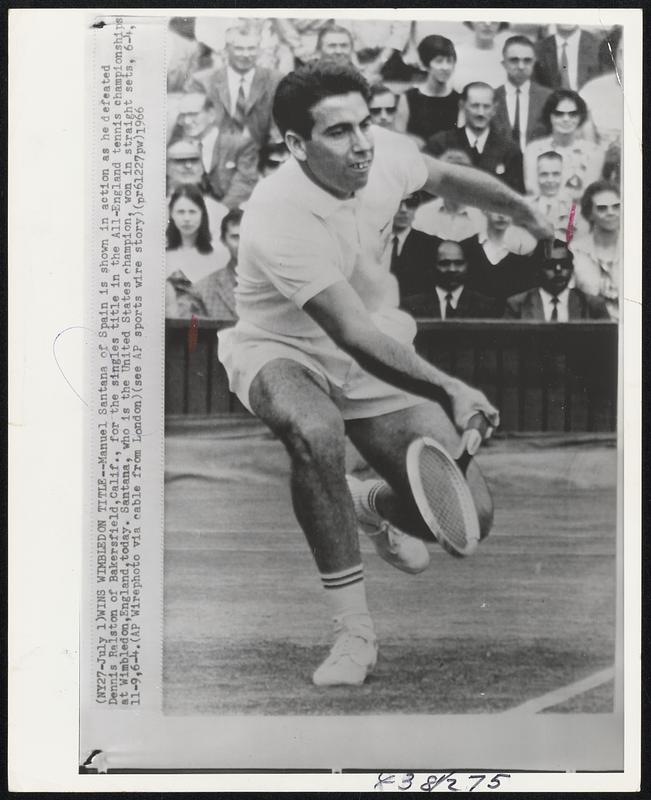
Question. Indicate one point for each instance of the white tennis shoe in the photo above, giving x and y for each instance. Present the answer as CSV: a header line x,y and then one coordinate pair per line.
x,y
352,658
393,545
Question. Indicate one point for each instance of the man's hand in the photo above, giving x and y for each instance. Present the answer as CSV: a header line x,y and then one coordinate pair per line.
x,y
466,402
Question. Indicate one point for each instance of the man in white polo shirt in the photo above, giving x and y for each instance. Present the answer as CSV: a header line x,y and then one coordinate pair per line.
x,y
319,352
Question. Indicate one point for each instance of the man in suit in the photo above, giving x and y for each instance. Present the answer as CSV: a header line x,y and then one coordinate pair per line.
x,y
229,160
519,102
411,250
568,59
447,296
488,147
217,290
553,300
242,93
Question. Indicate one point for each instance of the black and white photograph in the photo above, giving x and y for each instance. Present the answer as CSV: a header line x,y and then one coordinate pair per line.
x,y
356,421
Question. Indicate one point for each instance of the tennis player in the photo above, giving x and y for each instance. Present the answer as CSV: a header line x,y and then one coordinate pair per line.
x,y
319,351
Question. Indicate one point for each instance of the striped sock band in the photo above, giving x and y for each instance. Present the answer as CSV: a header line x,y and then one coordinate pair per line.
x,y
347,577
373,493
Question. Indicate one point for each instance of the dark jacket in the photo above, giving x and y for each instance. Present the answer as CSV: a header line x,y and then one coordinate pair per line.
x,y
471,305
546,71
528,305
500,156
513,274
535,127
416,257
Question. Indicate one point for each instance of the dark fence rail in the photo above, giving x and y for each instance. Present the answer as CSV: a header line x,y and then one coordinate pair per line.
x,y
542,376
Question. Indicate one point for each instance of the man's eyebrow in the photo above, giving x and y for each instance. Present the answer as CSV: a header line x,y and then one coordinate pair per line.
x,y
336,125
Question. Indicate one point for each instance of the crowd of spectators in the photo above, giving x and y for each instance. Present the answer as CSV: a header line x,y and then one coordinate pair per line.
x,y
539,107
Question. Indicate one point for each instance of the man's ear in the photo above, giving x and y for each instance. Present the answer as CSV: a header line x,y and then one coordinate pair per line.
x,y
296,145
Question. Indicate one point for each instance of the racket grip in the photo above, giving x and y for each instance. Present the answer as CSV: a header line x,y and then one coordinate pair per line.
x,y
472,438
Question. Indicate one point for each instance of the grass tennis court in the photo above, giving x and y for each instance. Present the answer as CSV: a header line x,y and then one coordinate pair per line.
x,y
532,612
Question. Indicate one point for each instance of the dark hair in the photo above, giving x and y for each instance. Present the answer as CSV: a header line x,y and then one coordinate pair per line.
x,y
193,193
299,91
379,88
234,217
432,46
590,192
475,85
519,39
555,98
331,28
267,151
542,251
550,154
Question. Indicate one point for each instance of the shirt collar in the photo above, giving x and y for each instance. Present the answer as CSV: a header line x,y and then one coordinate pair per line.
x,y
456,294
547,296
402,235
317,200
524,89
235,77
481,139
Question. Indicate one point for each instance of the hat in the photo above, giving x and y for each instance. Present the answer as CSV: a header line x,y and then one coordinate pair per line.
x,y
184,148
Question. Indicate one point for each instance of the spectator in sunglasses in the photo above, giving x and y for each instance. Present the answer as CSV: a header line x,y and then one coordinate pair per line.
x,y
563,114
383,106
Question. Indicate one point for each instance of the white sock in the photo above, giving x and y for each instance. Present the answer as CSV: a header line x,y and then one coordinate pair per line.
x,y
346,594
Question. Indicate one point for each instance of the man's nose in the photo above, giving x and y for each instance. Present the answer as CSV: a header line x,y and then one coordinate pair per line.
x,y
361,141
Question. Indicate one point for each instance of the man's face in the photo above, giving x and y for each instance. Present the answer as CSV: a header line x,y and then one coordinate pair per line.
x,y
242,51
566,30
518,62
183,170
550,171
451,267
479,108
232,239
193,118
555,273
404,216
337,46
339,153
606,211
383,109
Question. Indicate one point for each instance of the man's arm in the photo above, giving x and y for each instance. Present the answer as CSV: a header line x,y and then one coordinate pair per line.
x,y
474,187
342,315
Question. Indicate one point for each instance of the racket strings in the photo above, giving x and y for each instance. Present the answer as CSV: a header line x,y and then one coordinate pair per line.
x,y
442,486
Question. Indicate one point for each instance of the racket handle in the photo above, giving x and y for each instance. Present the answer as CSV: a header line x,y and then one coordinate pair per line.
x,y
472,438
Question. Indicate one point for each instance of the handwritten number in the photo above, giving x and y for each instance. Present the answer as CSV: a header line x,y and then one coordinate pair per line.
x,y
479,778
452,782
407,778
383,779
495,780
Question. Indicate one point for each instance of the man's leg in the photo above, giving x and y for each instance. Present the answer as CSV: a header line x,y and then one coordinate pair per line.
x,y
383,441
293,402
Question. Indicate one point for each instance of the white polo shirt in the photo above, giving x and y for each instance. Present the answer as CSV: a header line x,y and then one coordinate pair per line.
x,y
296,239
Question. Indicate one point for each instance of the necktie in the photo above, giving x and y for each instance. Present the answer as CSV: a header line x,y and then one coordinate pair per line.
x,y
515,133
565,71
240,105
474,152
394,255
554,315
449,309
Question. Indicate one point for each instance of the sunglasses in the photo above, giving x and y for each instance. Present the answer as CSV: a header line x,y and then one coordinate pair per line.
x,y
515,60
375,112
565,113
603,209
411,202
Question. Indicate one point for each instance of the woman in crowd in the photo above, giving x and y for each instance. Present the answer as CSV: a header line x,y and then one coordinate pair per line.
x,y
563,114
434,105
190,255
597,254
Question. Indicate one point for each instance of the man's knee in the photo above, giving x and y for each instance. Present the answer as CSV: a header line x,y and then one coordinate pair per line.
x,y
314,438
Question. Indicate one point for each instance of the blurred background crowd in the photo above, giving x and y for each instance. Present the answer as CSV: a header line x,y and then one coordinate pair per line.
x,y
539,107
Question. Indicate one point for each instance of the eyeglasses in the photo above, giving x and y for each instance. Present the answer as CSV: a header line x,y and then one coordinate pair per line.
x,y
451,262
190,160
603,209
515,60
375,112
572,114
411,202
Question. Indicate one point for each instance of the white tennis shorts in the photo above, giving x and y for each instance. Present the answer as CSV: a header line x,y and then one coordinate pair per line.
x,y
245,349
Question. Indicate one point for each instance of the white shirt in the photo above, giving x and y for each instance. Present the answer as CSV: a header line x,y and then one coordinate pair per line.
x,y
510,92
208,147
235,80
597,274
402,235
477,141
454,299
572,43
562,306
434,219
297,240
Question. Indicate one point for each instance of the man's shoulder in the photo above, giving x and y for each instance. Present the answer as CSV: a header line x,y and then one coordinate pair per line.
x,y
539,91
